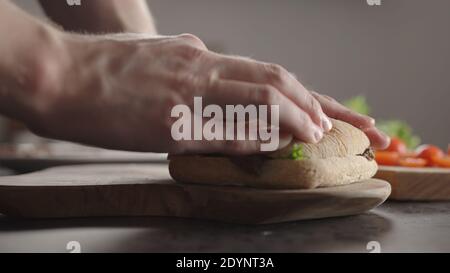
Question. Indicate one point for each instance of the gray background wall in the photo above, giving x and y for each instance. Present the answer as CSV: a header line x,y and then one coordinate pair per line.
x,y
397,54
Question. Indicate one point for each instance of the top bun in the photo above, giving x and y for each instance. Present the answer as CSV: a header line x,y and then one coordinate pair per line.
x,y
341,157
344,139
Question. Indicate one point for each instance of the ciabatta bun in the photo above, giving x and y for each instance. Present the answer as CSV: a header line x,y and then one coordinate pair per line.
x,y
339,158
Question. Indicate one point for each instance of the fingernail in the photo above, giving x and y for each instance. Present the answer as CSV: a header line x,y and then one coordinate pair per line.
x,y
387,143
318,134
326,123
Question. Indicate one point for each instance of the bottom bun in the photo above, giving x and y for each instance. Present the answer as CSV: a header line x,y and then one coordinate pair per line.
x,y
272,173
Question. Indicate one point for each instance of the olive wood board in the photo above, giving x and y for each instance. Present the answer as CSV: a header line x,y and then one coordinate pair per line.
x,y
148,190
417,184
34,157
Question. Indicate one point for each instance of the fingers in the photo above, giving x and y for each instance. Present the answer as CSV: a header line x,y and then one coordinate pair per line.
x,y
230,147
298,122
336,110
332,108
242,69
241,84
291,117
192,40
378,139
230,92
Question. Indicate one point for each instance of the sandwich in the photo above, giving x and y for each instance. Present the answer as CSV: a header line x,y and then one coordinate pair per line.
x,y
343,156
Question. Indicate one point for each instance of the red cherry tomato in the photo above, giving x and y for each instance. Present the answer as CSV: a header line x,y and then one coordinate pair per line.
x,y
412,162
409,154
387,158
443,162
429,152
396,145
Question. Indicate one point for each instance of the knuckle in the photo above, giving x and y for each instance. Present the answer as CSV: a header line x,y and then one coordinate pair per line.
x,y
314,105
275,73
268,95
190,52
192,40
315,94
319,96
329,98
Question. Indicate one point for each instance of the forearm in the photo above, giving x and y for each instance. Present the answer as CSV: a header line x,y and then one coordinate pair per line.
x,y
102,16
30,54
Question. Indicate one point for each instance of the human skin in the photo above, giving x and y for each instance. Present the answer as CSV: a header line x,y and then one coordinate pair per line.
x,y
117,91
101,16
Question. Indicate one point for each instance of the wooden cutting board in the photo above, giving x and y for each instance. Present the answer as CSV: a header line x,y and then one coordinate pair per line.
x,y
148,190
417,184
34,157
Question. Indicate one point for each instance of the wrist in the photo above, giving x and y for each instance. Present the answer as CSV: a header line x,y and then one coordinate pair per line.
x,y
32,71
54,73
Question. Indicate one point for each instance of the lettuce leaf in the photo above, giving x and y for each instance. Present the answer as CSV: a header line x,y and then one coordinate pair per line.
x,y
358,104
401,130
297,152
393,128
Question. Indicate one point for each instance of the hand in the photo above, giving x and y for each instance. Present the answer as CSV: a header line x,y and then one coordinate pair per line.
x,y
336,110
117,92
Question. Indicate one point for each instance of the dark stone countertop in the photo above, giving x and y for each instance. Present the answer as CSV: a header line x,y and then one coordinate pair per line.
x,y
397,227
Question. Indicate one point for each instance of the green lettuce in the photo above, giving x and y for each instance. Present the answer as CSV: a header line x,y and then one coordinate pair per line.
x,y
358,104
401,130
393,128
297,152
